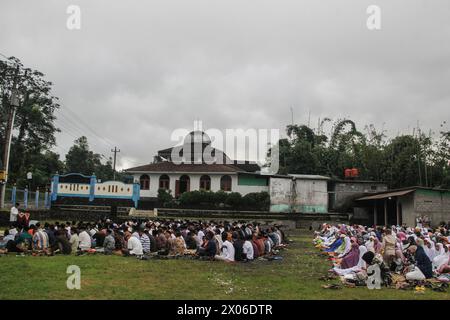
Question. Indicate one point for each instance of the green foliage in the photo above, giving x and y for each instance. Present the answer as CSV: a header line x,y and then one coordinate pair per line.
x,y
257,200
234,199
405,160
220,199
81,159
164,196
34,127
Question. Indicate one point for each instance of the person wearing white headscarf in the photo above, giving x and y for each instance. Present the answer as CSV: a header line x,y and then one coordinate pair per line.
x,y
442,258
370,244
355,269
429,248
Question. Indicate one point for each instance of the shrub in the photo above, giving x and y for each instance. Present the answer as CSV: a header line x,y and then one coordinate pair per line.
x,y
257,200
234,199
220,197
164,196
208,199
190,198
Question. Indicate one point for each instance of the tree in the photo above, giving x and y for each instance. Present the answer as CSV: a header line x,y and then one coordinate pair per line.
x,y
80,159
34,121
405,160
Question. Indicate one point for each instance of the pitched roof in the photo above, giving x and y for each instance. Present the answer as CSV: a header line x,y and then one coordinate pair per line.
x,y
167,166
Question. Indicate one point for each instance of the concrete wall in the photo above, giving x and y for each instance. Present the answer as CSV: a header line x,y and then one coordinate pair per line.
x,y
303,196
311,196
408,210
434,204
280,191
195,183
342,193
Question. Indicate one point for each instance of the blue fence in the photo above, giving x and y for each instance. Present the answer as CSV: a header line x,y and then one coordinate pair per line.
x,y
29,199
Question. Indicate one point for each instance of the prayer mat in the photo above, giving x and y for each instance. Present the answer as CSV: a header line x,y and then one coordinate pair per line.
x,y
396,278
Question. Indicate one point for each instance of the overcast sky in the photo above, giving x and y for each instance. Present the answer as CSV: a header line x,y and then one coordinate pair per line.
x,y
137,70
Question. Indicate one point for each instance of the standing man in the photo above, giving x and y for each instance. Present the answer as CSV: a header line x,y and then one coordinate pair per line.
x,y
14,213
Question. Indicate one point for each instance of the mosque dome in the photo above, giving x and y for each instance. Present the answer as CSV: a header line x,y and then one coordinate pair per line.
x,y
197,137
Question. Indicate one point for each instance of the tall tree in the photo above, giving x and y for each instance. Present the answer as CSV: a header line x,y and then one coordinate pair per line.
x,y
80,159
34,124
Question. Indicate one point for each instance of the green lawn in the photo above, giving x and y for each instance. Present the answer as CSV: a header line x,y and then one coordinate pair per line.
x,y
111,277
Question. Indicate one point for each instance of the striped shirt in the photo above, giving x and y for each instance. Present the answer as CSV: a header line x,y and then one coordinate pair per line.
x,y
40,240
145,240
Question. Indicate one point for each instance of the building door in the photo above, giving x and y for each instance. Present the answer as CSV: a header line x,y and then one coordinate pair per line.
x,y
185,185
177,188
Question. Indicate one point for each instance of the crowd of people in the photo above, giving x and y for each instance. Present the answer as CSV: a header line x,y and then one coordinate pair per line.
x,y
404,255
224,241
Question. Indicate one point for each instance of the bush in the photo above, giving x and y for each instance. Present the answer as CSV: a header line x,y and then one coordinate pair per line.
x,y
164,196
234,199
220,197
190,198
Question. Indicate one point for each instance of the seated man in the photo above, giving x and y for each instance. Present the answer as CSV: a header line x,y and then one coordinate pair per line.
x,y
227,250
109,244
208,248
178,245
85,239
6,237
40,239
191,243
247,249
74,240
62,242
134,246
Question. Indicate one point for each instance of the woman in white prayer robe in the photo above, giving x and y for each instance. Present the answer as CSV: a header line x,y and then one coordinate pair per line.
x,y
370,244
442,258
360,266
429,249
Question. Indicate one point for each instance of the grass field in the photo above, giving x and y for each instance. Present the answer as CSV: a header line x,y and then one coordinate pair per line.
x,y
111,277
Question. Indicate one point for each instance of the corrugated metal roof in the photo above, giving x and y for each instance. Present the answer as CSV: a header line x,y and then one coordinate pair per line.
x,y
386,195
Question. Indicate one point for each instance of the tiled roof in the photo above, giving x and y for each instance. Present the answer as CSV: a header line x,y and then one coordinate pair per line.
x,y
167,166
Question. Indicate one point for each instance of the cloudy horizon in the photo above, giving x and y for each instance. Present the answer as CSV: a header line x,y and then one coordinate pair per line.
x,y
136,70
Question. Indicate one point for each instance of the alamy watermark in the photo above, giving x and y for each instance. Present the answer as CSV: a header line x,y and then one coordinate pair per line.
x,y
73,21
74,280
231,146
374,20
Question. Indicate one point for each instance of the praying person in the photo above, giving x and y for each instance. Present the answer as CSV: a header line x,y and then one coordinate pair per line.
x,y
227,250
134,246
247,249
109,244
85,239
423,268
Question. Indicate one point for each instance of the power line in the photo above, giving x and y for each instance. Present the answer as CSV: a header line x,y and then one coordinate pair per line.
x,y
89,128
73,128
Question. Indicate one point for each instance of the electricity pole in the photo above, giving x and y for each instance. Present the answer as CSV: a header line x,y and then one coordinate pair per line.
x,y
14,103
115,151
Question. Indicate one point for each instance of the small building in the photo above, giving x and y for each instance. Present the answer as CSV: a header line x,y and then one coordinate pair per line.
x,y
298,193
405,206
343,192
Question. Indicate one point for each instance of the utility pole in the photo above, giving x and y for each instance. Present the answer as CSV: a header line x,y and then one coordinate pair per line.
x,y
14,103
115,151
